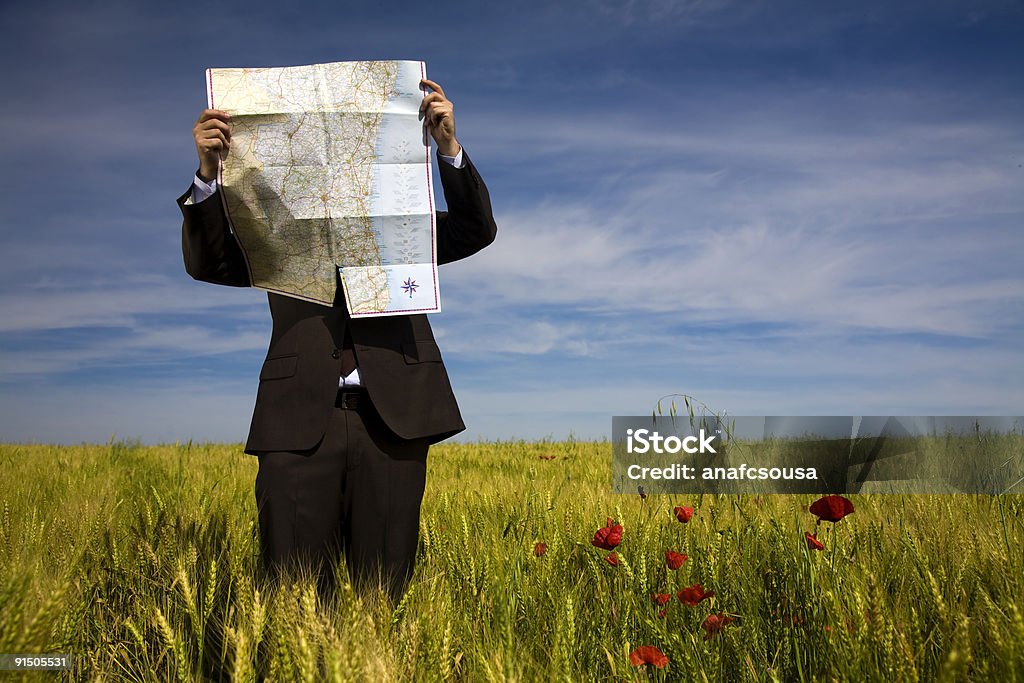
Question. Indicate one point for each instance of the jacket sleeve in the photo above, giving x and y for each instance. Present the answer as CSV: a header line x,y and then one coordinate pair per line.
x,y
467,226
210,251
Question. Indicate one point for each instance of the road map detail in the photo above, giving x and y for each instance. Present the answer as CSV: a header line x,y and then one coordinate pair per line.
x,y
328,180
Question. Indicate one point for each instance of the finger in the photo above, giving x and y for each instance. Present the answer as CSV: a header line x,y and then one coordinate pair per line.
x,y
214,140
214,124
430,99
438,110
214,133
434,118
433,86
208,114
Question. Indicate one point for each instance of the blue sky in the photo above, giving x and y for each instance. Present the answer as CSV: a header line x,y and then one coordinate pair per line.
x,y
778,208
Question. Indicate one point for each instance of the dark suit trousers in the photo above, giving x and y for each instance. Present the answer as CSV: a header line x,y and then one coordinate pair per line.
x,y
358,493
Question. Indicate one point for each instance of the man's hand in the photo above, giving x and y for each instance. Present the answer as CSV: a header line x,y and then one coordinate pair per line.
x,y
213,139
440,118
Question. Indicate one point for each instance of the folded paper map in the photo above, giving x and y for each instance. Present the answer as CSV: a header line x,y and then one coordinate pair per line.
x,y
328,179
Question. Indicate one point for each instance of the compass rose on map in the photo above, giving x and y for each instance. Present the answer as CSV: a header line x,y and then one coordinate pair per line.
x,y
410,286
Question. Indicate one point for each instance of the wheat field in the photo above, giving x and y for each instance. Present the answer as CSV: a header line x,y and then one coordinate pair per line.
x,y
141,562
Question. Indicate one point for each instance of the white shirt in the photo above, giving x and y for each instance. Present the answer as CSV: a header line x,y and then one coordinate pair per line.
x,y
202,190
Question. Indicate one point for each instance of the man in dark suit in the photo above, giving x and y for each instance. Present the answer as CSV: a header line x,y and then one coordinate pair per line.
x,y
346,407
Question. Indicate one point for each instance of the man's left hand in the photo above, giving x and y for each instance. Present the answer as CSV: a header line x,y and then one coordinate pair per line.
x,y
440,119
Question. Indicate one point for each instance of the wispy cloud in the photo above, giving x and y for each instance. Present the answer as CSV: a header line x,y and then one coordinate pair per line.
x,y
822,226
679,12
134,346
116,306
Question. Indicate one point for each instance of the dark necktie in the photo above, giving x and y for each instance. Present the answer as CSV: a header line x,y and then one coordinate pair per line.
x,y
348,355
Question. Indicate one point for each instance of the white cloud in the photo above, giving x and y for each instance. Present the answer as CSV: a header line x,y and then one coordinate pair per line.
x,y
119,305
677,12
136,345
516,335
154,412
898,225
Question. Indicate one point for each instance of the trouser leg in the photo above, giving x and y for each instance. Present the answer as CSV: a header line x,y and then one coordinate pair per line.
x,y
382,494
300,505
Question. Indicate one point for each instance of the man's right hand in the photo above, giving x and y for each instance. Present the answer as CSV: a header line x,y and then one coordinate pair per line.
x,y
212,133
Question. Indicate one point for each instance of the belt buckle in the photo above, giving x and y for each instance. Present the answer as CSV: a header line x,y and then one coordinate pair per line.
x,y
349,400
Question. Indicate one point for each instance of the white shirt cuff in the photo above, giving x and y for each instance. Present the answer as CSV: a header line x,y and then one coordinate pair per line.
x,y
456,161
201,190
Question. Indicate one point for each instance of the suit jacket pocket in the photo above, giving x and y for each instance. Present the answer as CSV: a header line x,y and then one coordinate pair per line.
x,y
279,367
421,351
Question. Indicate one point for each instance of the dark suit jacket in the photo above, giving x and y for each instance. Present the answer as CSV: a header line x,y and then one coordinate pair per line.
x,y
399,362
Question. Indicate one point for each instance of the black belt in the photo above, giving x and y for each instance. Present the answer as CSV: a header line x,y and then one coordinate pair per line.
x,y
351,398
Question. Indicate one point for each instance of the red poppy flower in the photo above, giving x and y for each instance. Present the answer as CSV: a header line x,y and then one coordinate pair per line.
x,y
648,654
683,513
608,537
674,560
831,508
612,559
691,595
661,598
662,613
714,623
812,541
540,549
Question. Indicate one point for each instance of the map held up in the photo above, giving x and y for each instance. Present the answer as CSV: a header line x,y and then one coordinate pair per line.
x,y
328,180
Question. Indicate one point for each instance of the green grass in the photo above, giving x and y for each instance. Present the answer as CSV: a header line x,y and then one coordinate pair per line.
x,y
141,562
